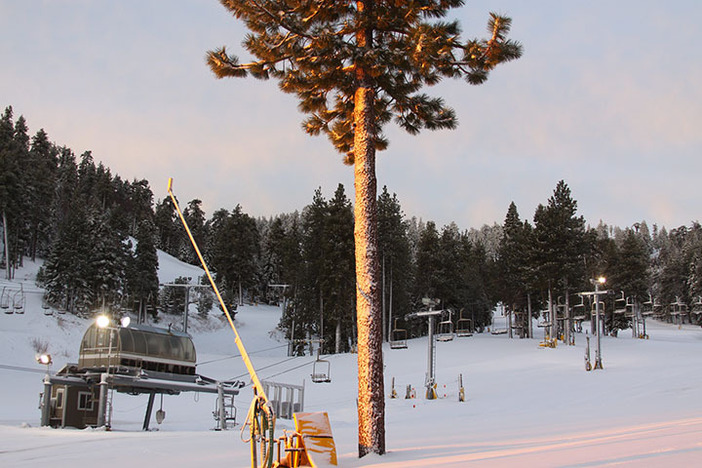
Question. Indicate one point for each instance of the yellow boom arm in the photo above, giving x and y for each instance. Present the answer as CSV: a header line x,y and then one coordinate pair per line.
x,y
239,344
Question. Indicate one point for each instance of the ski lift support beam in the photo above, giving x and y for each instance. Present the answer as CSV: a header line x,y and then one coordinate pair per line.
x,y
430,383
596,296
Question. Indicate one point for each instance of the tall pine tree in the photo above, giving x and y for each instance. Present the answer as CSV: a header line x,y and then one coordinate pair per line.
x,y
396,259
356,65
338,280
513,261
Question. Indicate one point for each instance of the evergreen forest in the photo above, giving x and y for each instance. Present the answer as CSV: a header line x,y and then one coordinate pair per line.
x,y
98,236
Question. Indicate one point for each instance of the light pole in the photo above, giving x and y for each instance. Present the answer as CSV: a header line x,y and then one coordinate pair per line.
x,y
598,325
104,322
45,359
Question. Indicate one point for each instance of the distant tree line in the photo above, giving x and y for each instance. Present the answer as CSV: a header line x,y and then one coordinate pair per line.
x,y
78,217
99,234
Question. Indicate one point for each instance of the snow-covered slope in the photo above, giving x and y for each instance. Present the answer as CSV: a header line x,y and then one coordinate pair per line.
x,y
526,406
170,268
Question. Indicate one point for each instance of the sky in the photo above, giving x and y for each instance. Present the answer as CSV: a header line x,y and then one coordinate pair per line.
x,y
606,97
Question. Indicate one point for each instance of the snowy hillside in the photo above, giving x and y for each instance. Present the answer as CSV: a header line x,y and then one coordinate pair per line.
x,y
526,406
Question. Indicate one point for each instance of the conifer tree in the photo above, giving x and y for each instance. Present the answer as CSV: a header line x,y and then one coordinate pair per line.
x,y
694,253
8,184
310,301
338,279
143,280
42,168
170,233
356,65
270,261
66,186
14,189
428,263
396,259
477,272
631,272
449,276
196,220
285,245
234,247
513,260
560,240
108,258
20,233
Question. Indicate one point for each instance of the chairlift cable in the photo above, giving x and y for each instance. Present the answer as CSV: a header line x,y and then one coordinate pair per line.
x,y
239,355
266,367
290,370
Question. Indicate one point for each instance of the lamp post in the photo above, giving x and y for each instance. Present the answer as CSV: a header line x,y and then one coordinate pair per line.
x,y
45,359
598,325
597,282
104,322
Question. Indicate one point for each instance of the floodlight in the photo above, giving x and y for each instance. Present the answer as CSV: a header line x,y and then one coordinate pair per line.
x,y
125,321
44,358
102,321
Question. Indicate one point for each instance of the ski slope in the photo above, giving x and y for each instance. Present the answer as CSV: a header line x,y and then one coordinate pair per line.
x,y
525,405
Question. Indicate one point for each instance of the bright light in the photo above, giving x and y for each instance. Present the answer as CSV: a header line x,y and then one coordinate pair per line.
x,y
103,321
125,321
602,280
44,358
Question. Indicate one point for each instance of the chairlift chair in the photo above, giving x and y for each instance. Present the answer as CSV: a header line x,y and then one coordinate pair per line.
x,y
63,308
398,340
620,305
579,314
629,307
321,370
544,319
678,310
5,301
464,326
45,306
647,307
697,306
445,329
18,302
696,310
579,310
593,308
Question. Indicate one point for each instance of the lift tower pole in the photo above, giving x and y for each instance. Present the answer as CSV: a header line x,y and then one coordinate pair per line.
x,y
598,323
430,380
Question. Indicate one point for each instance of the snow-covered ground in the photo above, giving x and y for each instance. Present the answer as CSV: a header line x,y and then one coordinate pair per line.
x,y
525,405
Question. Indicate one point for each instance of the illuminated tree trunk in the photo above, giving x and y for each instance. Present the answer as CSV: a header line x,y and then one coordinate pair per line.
x,y
371,403
371,400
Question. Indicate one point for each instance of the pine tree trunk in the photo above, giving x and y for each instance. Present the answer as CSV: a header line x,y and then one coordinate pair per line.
x,y
371,403
371,393
337,338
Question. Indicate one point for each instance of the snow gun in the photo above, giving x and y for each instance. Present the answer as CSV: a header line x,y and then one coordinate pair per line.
x,y
261,418
312,439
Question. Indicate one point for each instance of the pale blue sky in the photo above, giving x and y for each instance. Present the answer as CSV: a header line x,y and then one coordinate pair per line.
x,y
607,97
